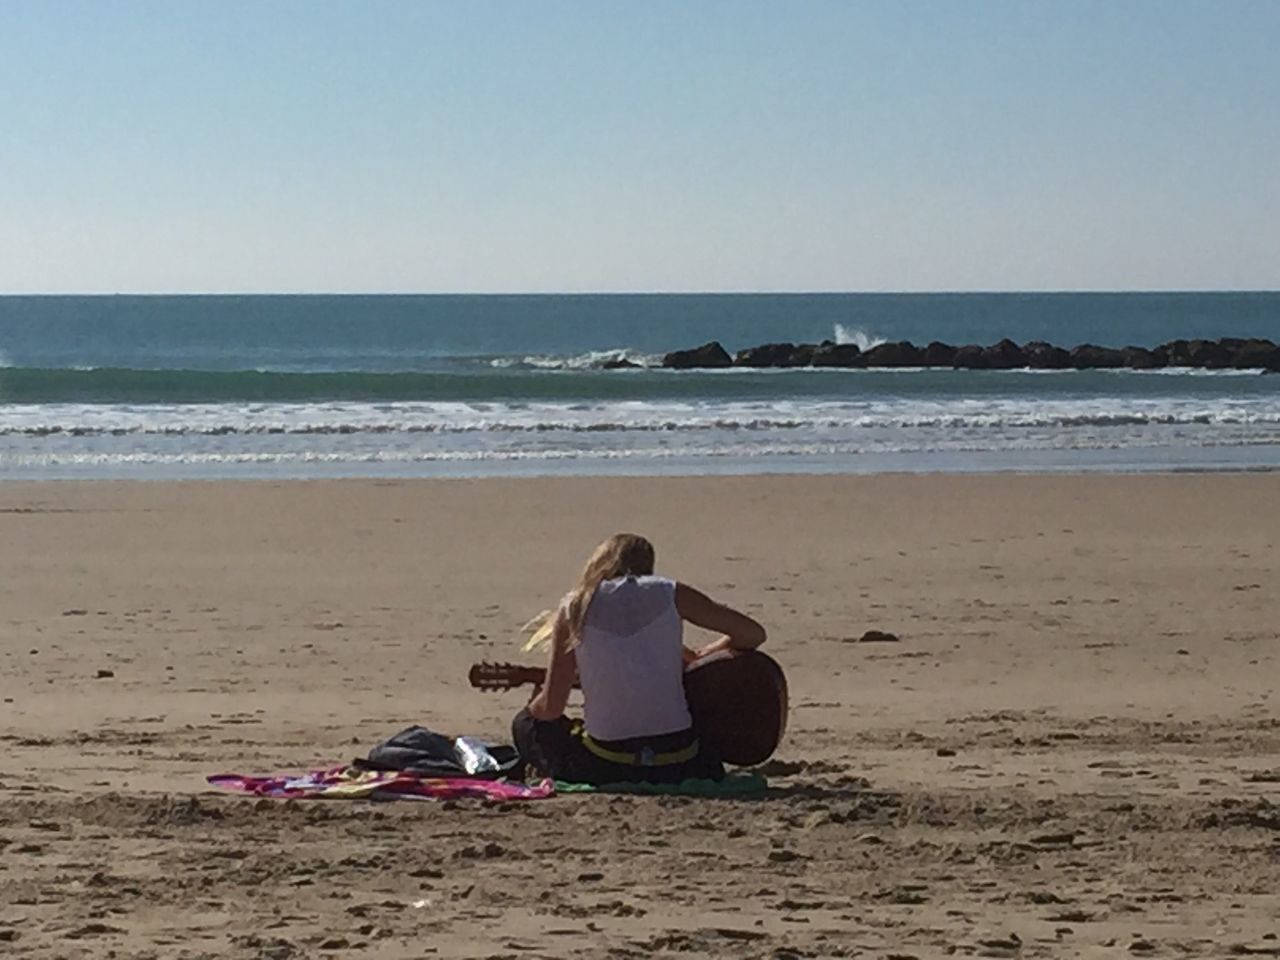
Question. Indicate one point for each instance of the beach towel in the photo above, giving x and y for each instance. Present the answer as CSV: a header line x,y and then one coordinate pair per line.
x,y
742,785
349,782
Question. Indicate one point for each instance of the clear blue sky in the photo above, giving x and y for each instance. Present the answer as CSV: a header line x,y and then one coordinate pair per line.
x,y
598,146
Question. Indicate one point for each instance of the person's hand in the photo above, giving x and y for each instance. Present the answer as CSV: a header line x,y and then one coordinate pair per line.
x,y
715,646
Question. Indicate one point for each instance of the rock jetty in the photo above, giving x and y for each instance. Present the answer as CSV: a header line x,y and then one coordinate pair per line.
x,y
1228,353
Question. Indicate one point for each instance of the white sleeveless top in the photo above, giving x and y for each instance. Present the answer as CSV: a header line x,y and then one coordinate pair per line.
x,y
630,660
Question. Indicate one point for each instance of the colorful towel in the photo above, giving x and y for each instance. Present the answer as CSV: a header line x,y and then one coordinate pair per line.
x,y
346,782
736,786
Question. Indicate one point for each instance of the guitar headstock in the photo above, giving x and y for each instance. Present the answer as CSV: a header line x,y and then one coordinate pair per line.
x,y
495,677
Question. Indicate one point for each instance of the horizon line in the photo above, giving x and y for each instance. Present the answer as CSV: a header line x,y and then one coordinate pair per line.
x,y
1064,291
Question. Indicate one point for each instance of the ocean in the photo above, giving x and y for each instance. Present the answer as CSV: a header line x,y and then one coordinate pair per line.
x,y
202,387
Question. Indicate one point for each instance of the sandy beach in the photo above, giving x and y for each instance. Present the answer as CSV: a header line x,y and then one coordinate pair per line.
x,y
1072,750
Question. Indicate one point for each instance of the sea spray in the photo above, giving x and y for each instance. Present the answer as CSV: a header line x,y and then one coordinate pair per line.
x,y
857,337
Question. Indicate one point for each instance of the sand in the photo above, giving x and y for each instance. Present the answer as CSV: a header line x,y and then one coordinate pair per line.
x,y
1073,750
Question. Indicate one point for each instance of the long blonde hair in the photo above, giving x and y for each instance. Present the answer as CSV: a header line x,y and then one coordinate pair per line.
x,y
621,555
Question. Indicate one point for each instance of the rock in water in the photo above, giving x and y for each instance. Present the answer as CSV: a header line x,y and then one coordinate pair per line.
x,y
970,357
1140,358
939,354
708,355
828,354
1045,356
1194,353
1005,355
1256,353
1090,356
1225,354
775,355
1175,353
900,354
1210,354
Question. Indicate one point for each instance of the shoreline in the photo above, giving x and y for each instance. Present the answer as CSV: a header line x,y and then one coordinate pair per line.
x,y
462,472
269,479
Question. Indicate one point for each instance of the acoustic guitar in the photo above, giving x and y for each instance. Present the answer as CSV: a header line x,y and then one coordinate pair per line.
x,y
738,700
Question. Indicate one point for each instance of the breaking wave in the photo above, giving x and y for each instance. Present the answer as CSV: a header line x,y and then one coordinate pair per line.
x,y
630,417
856,336
592,360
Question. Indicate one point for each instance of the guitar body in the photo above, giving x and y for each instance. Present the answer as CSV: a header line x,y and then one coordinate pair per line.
x,y
739,704
738,700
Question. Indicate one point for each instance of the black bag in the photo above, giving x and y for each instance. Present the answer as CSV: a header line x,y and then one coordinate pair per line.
x,y
426,753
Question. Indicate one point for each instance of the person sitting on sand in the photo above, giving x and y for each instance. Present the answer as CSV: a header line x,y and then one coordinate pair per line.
x,y
620,633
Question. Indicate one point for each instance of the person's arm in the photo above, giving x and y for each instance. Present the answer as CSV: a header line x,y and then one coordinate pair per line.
x,y
549,702
739,631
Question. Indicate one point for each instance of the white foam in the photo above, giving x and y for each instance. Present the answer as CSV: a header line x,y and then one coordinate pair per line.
x,y
1193,372
856,336
991,414
773,446
591,360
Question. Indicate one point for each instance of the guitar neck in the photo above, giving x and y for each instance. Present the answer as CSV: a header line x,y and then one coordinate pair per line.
x,y
505,676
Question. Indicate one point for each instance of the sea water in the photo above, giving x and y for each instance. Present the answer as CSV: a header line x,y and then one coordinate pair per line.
x,y
310,386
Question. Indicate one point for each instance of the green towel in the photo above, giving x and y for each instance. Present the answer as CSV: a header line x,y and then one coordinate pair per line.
x,y
742,786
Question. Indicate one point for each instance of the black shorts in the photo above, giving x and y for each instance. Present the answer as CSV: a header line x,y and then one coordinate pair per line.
x,y
555,748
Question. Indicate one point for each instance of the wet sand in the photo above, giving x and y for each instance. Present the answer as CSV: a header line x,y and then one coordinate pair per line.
x,y
1073,749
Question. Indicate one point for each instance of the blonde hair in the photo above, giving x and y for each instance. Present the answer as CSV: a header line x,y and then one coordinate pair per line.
x,y
621,555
